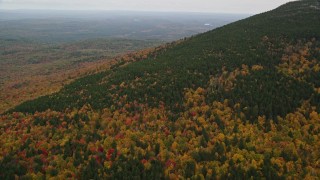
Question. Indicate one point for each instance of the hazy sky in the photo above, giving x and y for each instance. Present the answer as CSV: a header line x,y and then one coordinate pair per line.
x,y
228,6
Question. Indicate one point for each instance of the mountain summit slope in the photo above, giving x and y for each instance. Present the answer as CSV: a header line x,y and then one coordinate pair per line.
x,y
259,40
239,101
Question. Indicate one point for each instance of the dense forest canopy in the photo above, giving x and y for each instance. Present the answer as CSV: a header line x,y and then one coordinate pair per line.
x,y
241,101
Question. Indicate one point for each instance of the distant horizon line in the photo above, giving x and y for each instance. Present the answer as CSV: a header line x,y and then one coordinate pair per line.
x,y
135,11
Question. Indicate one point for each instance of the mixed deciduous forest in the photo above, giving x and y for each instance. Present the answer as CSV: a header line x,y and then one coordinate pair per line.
x,y
241,101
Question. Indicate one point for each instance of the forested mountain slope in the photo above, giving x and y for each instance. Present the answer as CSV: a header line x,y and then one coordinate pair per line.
x,y
240,101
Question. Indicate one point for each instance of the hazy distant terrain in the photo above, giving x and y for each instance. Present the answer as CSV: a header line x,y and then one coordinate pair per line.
x,y
62,26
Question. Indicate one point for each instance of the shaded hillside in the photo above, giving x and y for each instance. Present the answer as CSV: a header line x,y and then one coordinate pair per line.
x,y
240,101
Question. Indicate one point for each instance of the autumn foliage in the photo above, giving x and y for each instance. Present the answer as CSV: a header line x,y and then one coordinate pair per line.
x,y
239,102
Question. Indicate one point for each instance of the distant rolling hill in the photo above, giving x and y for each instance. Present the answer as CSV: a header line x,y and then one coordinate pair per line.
x,y
238,102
